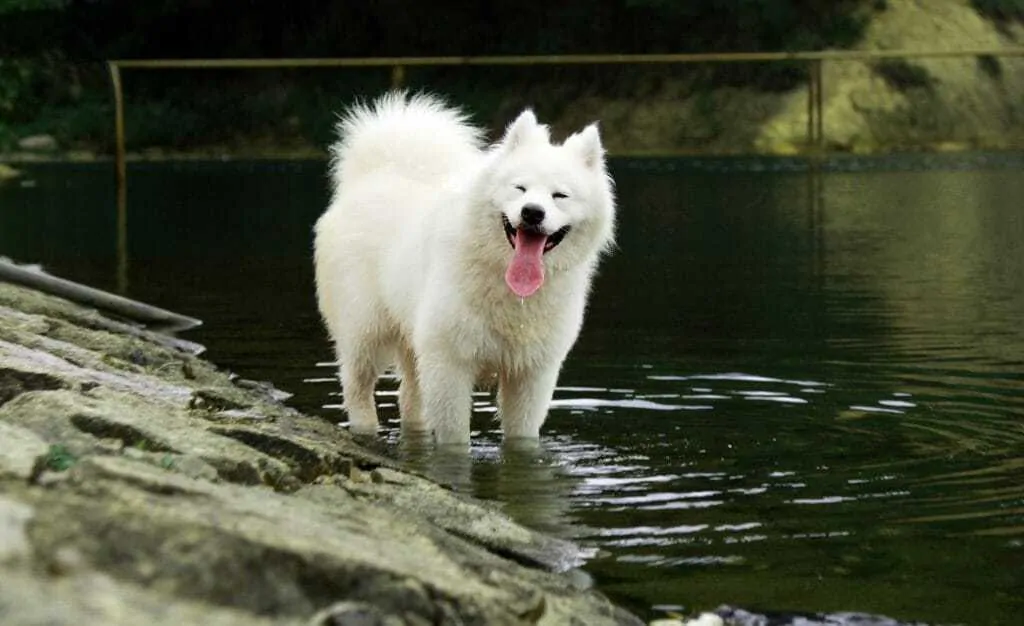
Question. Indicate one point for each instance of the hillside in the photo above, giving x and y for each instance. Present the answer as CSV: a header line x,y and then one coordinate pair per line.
x,y
932,103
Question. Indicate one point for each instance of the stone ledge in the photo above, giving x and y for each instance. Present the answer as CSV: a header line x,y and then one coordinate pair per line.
x,y
143,485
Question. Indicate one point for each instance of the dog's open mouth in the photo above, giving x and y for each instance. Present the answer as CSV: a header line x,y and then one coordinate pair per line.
x,y
525,272
531,232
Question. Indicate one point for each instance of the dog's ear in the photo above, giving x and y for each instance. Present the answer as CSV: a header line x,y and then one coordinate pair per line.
x,y
520,130
587,144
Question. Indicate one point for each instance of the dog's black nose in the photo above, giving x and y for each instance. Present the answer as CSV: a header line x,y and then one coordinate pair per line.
x,y
532,214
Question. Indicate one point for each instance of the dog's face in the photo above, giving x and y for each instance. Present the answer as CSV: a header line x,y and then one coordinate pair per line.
x,y
552,204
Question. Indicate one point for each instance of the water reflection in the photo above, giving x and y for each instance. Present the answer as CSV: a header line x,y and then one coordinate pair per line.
x,y
528,480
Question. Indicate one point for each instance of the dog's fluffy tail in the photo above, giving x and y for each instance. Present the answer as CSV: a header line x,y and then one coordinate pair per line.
x,y
413,135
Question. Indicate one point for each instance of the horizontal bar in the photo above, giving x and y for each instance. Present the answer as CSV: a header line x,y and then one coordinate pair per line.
x,y
134,310
574,59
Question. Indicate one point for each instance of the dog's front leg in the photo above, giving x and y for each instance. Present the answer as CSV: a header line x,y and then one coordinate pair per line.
x,y
523,400
447,390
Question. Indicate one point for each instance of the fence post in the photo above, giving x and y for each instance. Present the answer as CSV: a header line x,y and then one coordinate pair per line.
x,y
820,103
397,76
815,106
115,82
121,173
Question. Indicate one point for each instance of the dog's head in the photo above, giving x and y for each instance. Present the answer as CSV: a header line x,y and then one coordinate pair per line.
x,y
553,204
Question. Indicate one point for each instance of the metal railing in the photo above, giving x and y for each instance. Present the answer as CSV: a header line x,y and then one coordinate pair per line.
x,y
398,65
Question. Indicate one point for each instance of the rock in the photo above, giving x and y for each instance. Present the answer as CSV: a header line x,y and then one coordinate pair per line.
x,y
161,491
422,499
66,561
705,619
14,543
81,156
732,616
7,172
21,447
351,614
38,143
94,598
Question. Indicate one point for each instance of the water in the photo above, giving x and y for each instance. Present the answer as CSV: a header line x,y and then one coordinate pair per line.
x,y
792,392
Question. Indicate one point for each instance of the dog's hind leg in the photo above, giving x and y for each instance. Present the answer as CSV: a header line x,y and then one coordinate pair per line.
x,y
358,374
410,401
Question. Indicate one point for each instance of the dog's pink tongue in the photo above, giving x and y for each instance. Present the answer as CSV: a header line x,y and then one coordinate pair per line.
x,y
525,274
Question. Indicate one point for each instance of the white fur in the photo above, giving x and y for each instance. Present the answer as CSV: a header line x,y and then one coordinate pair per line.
x,y
411,256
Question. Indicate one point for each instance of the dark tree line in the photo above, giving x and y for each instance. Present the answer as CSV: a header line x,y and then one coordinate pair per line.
x,y
96,29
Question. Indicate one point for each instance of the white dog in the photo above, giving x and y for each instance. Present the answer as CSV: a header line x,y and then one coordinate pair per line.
x,y
456,262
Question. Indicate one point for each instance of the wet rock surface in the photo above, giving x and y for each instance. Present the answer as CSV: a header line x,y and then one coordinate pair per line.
x,y
732,616
140,484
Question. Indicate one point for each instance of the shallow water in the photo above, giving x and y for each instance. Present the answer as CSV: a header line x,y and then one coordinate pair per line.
x,y
793,392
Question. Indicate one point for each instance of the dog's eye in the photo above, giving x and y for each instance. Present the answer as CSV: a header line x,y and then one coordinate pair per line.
x,y
558,195
521,188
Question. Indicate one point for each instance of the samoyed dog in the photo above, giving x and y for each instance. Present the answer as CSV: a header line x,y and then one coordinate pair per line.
x,y
456,262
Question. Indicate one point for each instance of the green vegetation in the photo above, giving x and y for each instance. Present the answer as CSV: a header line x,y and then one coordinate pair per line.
x,y
903,75
212,28
991,65
59,459
53,79
1004,10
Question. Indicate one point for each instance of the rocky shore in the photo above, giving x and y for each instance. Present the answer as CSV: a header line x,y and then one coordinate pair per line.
x,y
139,484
